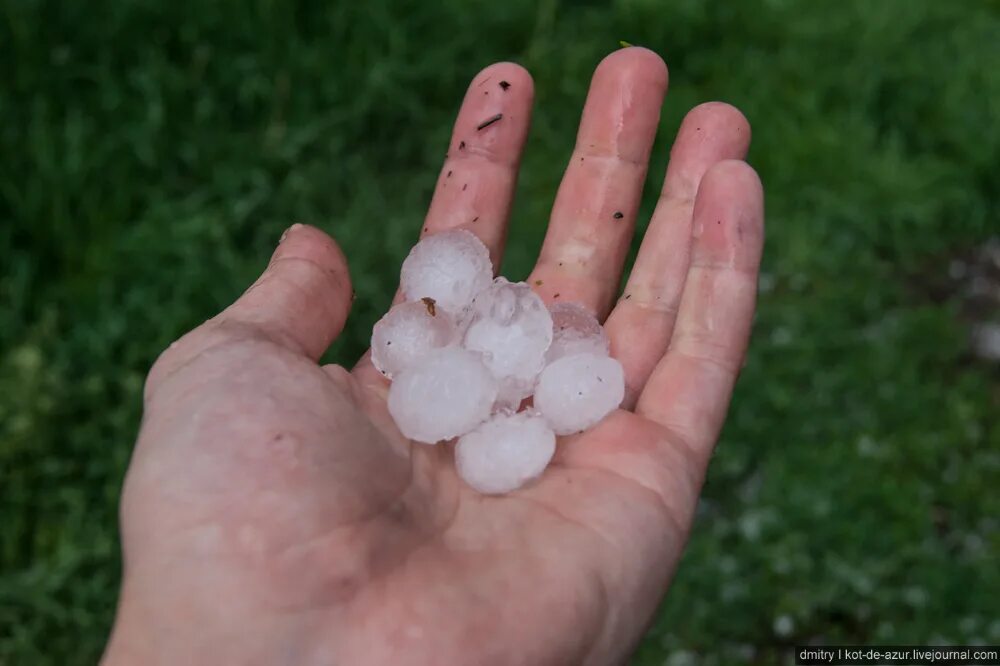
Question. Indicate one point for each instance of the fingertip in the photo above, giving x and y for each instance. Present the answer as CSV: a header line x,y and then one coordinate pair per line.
x,y
503,85
303,241
635,59
622,112
495,116
734,178
507,77
717,117
710,132
729,217
303,297
309,239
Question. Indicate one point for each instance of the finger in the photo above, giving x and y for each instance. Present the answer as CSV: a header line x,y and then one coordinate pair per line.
x,y
476,186
640,324
301,301
688,391
303,297
594,213
475,189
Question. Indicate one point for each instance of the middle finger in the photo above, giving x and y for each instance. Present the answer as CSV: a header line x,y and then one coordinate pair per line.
x,y
594,212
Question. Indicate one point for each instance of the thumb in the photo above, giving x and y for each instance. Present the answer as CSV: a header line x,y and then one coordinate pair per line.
x,y
303,297
301,302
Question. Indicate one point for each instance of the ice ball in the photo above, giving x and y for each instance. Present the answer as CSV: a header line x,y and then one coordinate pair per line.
x,y
445,394
408,332
575,331
575,392
451,267
509,324
505,453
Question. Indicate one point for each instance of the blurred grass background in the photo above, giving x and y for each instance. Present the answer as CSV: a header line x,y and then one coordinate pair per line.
x,y
152,152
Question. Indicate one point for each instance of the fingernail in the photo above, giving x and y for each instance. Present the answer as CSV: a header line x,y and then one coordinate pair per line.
x,y
284,234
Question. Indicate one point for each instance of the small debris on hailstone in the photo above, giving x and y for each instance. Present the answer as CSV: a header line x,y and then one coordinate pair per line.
x,y
407,333
450,267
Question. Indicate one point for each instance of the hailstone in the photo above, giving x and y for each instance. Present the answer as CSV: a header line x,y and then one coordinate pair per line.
x,y
445,394
575,392
407,333
450,267
510,325
575,331
505,453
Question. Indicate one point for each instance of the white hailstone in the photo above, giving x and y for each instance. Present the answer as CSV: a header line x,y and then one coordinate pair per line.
x,y
505,453
451,267
408,332
510,325
445,394
575,331
575,392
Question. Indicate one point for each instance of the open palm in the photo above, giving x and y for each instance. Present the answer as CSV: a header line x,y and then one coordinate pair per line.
x,y
273,514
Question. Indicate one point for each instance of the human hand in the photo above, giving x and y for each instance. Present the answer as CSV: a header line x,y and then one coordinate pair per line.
x,y
273,514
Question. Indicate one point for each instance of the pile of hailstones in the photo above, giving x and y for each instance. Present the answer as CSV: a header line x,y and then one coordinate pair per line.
x,y
465,352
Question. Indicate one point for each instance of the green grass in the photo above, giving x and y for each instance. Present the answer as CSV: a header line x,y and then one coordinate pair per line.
x,y
152,152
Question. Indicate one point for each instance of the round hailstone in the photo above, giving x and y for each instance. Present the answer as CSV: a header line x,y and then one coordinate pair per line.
x,y
504,453
510,325
443,395
577,391
407,333
451,267
575,331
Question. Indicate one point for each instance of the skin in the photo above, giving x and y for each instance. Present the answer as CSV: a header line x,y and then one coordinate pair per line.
x,y
272,513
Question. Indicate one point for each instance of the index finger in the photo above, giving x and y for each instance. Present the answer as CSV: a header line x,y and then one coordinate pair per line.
x,y
475,189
